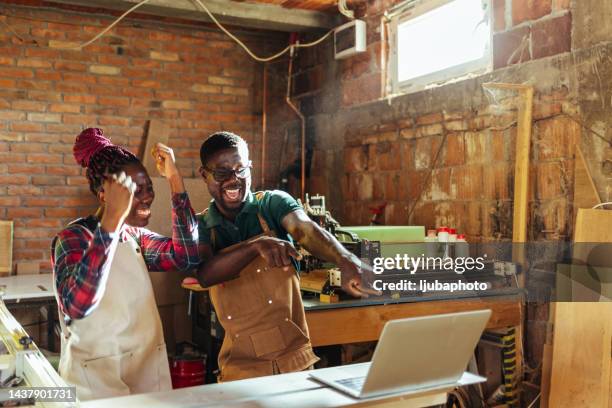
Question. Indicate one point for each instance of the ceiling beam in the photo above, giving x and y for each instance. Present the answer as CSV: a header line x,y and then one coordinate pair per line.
x,y
249,15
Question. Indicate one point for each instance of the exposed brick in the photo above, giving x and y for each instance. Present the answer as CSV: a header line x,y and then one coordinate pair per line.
x,y
10,201
31,106
454,152
355,159
476,147
214,80
11,137
552,36
499,15
27,127
556,138
549,180
33,63
235,91
526,10
80,98
104,70
511,47
202,88
44,117
429,119
430,130
70,45
16,72
176,104
164,56
498,181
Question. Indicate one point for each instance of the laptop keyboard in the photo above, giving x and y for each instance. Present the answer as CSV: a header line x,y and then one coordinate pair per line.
x,y
355,383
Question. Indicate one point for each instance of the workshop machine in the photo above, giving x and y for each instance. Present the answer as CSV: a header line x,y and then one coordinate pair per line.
x,y
23,365
323,280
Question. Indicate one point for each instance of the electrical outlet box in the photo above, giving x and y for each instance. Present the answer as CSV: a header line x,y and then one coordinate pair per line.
x,y
350,39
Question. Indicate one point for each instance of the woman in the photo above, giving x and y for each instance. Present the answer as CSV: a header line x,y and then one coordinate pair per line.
x,y
112,338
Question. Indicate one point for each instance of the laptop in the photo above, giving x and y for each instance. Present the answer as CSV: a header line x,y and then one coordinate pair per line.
x,y
414,354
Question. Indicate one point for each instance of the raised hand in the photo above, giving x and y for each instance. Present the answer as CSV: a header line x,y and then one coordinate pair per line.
x,y
117,195
164,160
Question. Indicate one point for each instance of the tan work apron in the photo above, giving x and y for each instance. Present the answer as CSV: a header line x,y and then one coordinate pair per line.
x,y
119,348
264,321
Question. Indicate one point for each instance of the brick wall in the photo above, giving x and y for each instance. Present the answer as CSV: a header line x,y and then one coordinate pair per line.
x,y
192,77
385,150
369,151
472,156
523,30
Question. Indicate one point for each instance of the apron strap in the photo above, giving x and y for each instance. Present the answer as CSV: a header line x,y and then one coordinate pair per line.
x,y
264,225
262,222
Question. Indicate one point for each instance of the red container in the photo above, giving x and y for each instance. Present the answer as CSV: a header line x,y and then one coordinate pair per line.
x,y
187,372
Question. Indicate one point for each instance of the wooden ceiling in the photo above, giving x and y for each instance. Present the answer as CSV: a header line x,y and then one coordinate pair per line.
x,y
277,15
319,5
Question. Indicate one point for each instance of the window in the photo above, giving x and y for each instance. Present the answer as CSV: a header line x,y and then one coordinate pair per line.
x,y
432,41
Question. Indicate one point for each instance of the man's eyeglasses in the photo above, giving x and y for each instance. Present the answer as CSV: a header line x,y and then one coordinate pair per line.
x,y
223,174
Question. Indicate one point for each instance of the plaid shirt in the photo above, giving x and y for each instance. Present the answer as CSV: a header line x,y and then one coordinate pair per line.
x,y
81,258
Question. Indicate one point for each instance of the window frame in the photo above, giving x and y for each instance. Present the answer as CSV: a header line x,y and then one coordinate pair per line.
x,y
452,74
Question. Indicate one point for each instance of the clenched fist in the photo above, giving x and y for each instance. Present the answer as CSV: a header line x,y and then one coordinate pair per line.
x,y
118,195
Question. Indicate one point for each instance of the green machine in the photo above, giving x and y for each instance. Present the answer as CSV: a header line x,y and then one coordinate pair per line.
x,y
394,240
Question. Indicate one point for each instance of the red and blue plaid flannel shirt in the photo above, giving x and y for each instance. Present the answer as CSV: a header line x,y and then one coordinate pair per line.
x,y
82,257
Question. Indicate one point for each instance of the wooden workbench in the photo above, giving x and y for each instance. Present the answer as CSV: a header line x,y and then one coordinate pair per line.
x,y
295,390
357,321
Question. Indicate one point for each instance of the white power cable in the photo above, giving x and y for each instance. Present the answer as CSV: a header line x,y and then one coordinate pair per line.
x,y
344,10
255,57
602,205
534,400
114,23
221,27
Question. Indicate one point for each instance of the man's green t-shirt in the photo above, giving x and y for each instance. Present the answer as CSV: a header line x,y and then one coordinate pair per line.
x,y
272,205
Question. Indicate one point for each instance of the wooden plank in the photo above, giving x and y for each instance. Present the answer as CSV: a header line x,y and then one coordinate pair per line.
x,y
249,15
593,226
581,363
27,268
585,192
521,171
158,132
161,209
6,247
365,323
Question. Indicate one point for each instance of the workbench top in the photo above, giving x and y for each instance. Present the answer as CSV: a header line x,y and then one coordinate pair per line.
x,y
502,293
295,390
24,287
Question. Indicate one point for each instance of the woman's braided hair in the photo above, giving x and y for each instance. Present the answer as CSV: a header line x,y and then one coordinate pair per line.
x,y
95,152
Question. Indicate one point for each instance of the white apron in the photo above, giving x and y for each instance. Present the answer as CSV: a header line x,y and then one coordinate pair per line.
x,y
119,348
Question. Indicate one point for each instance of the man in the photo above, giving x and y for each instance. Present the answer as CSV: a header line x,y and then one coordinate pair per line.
x,y
246,255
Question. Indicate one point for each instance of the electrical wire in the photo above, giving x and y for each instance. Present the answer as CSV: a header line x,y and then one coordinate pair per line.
x,y
534,400
107,29
248,51
344,10
602,205
213,18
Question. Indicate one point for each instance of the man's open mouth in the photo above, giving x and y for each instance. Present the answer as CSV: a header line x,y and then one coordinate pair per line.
x,y
144,212
232,194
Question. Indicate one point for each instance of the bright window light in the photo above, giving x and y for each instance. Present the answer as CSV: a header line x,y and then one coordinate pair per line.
x,y
454,34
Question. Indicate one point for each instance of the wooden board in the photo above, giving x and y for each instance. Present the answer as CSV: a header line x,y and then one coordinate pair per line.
x,y
27,268
365,323
161,209
581,355
6,247
593,226
585,192
158,132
